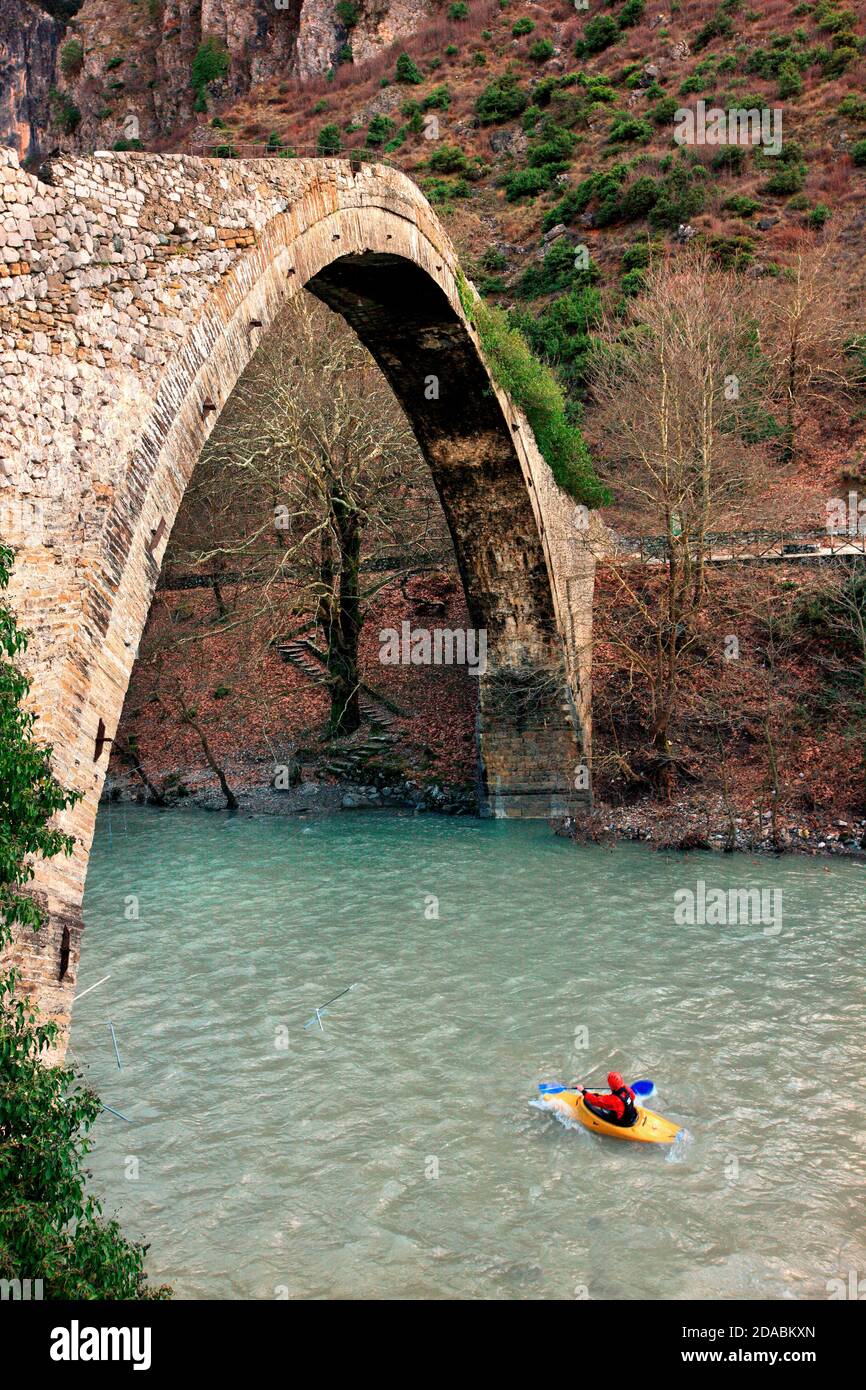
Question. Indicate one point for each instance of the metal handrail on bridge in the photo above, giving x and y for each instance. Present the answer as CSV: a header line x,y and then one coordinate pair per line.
x,y
719,547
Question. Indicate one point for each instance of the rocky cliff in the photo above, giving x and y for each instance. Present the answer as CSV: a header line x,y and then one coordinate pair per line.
x,y
132,70
29,40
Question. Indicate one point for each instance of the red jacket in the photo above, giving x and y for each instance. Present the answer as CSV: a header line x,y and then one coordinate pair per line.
x,y
608,1101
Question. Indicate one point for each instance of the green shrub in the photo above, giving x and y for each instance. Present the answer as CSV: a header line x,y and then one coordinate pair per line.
x,y
347,13
730,159
406,71
541,50
554,147
397,140
64,112
51,1226
786,178
602,188
853,106
741,205
633,283
819,216
631,13
521,27
439,99
448,159
638,198
211,62
790,82
329,141
557,272
459,10
680,197
636,256
528,183
858,152
72,57
561,335
534,389
501,100
732,252
380,130
664,111
444,191
494,259
719,27
599,33
625,129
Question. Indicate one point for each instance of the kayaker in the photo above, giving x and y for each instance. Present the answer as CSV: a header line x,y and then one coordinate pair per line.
x,y
618,1108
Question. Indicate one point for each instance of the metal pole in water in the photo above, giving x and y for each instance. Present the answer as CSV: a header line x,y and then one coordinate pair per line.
x,y
90,987
116,1112
114,1040
317,1016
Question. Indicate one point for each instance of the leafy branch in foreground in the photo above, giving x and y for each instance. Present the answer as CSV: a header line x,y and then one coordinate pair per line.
x,y
50,1228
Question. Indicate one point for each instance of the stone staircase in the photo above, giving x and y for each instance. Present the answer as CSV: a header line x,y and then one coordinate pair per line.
x,y
301,653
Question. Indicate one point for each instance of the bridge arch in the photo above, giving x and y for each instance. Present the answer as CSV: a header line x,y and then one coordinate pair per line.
x,y
142,288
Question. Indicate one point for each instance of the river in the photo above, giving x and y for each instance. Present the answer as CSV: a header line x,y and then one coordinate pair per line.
x,y
390,1149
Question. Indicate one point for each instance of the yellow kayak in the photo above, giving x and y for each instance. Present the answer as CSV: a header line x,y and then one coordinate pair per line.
x,y
649,1129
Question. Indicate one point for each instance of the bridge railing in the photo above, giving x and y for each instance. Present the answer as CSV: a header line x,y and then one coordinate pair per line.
x,y
721,546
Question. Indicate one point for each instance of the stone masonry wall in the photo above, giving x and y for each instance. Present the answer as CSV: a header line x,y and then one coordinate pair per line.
x,y
133,291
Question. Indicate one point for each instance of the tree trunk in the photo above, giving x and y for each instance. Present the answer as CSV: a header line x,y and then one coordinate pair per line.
x,y
231,799
346,621
129,754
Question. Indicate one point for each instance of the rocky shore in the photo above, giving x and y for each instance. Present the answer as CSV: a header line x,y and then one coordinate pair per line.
x,y
309,797
708,824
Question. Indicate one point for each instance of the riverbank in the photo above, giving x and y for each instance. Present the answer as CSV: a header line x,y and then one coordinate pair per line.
x,y
707,823
704,823
309,797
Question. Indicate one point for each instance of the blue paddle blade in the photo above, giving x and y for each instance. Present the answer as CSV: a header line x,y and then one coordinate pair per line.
x,y
550,1088
643,1089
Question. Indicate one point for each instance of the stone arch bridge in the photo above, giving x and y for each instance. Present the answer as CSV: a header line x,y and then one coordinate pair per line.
x,y
133,291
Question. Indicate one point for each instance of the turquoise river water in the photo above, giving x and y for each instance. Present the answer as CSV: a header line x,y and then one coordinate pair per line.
x,y
391,1150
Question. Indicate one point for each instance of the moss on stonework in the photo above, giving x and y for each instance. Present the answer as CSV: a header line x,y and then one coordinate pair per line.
x,y
533,387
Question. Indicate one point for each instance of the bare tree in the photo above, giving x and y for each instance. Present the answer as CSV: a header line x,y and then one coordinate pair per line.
x,y
672,389
312,476
807,318
841,601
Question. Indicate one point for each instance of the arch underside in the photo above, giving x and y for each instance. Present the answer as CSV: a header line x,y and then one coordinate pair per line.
x,y
528,738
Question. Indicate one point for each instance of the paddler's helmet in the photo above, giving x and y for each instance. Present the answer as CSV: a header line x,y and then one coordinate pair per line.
x,y
615,1081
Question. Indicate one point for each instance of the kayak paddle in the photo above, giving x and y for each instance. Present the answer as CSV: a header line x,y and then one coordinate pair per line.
x,y
643,1090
